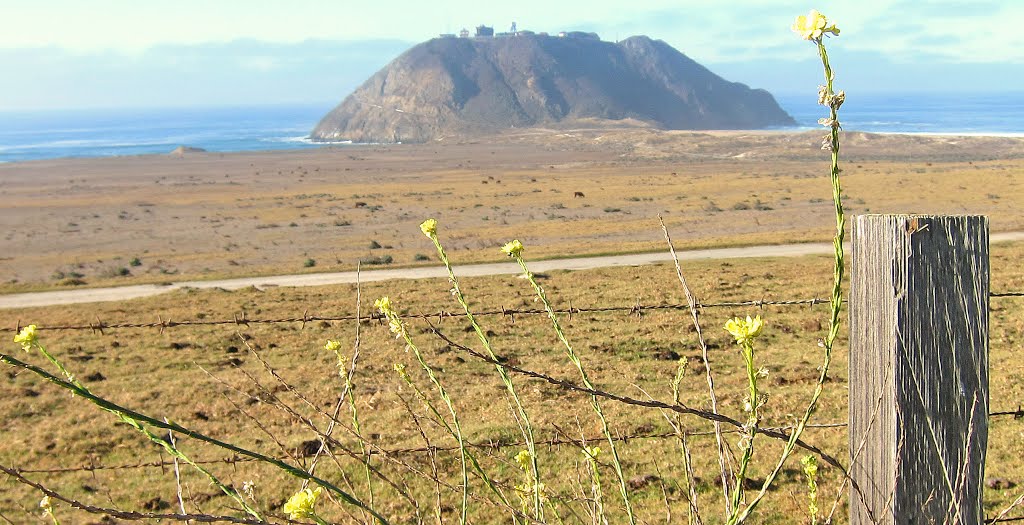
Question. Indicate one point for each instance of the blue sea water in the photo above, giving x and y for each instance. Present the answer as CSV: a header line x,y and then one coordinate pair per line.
x,y
32,135
26,135
997,114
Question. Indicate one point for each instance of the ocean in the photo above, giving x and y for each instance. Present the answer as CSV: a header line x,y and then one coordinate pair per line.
x,y
33,135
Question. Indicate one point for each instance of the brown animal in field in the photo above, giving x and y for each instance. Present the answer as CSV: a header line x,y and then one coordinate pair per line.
x,y
578,194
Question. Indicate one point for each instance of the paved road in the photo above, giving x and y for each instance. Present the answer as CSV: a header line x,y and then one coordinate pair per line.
x,y
92,295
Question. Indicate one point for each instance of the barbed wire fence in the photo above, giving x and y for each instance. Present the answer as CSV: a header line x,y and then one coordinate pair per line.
x,y
634,309
637,309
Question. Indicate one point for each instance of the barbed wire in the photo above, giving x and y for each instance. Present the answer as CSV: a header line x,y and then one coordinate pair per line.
x,y
493,445
632,309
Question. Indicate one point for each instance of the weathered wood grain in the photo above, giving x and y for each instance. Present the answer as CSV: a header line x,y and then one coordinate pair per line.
x,y
919,368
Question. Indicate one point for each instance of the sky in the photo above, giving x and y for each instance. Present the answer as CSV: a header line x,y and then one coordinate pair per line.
x,y
58,54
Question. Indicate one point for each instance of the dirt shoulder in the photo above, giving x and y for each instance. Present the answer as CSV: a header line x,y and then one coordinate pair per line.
x,y
92,295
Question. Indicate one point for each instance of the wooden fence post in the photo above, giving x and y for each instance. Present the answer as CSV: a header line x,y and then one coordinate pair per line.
x,y
919,400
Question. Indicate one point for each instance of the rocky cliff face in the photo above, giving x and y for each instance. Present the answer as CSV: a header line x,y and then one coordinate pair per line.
x,y
459,85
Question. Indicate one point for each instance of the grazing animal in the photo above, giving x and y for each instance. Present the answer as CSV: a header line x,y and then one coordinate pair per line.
x,y
578,194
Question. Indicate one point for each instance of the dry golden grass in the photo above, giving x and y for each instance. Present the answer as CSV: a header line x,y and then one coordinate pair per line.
x,y
204,377
222,215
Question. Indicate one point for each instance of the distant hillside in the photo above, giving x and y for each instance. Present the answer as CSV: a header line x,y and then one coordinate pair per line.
x,y
482,85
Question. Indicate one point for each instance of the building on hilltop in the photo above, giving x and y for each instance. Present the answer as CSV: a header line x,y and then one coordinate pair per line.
x,y
464,33
579,34
484,31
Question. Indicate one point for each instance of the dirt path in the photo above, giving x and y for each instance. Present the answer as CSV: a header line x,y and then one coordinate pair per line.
x,y
121,293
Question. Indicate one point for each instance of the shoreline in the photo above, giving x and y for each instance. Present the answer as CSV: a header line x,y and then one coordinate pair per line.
x,y
312,145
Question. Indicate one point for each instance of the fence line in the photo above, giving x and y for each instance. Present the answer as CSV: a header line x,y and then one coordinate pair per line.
x,y
632,309
496,445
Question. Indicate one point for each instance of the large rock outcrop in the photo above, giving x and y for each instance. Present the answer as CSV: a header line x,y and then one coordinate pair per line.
x,y
482,85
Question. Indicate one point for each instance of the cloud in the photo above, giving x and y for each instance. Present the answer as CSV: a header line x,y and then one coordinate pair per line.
x,y
902,30
234,73
894,57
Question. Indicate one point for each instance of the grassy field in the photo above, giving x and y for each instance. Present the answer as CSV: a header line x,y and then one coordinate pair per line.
x,y
213,379
156,218
264,386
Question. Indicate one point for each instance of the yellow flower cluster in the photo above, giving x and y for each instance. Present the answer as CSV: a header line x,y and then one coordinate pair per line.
x,y
810,464
527,490
46,505
332,345
388,310
429,228
744,331
810,469
523,459
814,26
300,506
27,337
513,248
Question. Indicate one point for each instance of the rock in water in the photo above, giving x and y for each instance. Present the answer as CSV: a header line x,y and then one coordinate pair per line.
x,y
484,85
181,150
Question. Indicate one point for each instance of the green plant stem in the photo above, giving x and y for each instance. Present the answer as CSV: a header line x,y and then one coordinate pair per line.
x,y
836,302
169,447
747,349
444,423
684,450
527,425
119,410
595,481
355,425
451,410
586,382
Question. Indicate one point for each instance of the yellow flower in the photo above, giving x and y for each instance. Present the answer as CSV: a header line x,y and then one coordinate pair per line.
x,y
513,248
429,228
300,505
810,464
744,331
27,337
400,368
388,310
813,26
523,459
592,452
332,345
384,305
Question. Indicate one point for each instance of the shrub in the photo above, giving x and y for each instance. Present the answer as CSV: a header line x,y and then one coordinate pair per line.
x,y
376,261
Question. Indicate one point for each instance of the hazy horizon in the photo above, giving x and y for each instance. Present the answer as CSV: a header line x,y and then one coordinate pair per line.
x,y
193,54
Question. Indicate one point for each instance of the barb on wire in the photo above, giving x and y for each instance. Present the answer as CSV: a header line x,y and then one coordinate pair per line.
x,y
375,317
493,445
510,313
